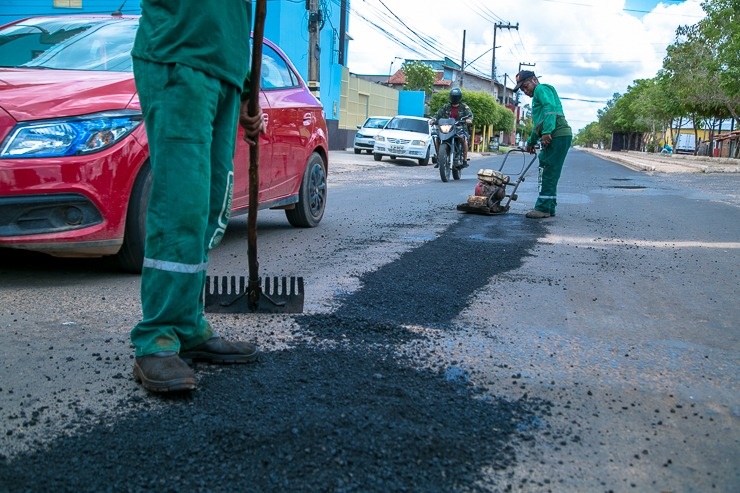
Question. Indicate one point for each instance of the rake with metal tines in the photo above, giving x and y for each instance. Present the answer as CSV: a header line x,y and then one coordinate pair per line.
x,y
231,295
236,295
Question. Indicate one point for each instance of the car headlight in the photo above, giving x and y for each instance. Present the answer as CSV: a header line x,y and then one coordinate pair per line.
x,y
379,138
421,143
70,136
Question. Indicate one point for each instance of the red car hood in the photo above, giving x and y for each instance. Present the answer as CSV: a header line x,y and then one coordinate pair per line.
x,y
39,94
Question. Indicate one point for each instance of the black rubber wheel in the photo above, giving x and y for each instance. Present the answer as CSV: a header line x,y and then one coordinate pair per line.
x,y
131,255
377,156
443,158
456,172
357,151
425,161
311,205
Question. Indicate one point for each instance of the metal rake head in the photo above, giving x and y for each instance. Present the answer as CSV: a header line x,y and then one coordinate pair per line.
x,y
230,294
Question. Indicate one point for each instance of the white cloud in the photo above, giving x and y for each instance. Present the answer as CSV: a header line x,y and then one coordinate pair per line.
x,y
588,49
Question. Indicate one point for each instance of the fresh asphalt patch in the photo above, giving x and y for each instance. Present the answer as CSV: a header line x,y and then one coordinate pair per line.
x,y
341,410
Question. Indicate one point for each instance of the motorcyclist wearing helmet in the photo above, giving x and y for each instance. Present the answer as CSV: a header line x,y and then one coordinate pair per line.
x,y
459,111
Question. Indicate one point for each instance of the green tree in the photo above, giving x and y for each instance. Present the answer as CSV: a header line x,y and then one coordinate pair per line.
x,y
419,76
591,135
721,28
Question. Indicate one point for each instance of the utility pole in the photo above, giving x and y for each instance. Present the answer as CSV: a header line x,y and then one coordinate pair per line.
x,y
462,64
522,64
497,26
342,30
506,76
314,51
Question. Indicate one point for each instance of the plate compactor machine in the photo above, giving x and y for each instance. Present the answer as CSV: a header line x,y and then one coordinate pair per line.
x,y
491,197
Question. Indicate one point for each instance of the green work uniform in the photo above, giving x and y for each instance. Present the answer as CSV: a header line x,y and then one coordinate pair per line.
x,y
548,118
191,60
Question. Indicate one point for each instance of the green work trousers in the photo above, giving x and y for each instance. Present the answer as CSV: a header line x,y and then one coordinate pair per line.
x,y
551,159
191,123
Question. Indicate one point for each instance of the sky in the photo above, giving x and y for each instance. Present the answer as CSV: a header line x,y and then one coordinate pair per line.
x,y
587,49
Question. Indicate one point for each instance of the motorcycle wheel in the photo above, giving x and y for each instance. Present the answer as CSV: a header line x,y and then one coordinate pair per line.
x,y
443,158
456,172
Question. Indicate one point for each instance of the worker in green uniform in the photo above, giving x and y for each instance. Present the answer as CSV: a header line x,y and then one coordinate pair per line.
x,y
555,135
191,63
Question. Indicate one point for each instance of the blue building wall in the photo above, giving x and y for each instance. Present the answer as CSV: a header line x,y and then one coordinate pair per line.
x,y
411,103
286,25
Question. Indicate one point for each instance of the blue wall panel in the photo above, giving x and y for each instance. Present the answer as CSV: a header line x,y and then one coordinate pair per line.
x,y
411,103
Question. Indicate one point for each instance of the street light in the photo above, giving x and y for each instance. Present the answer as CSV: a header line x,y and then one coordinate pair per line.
x,y
391,67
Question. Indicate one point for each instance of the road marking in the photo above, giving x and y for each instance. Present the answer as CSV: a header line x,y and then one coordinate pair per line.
x,y
582,240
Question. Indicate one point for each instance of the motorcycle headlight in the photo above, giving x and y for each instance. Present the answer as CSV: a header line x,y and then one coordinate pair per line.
x,y
445,128
69,136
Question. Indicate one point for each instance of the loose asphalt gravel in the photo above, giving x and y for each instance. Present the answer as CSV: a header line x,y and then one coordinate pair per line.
x,y
342,403
349,414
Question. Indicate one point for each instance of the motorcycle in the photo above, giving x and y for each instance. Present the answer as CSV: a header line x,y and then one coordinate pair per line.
x,y
448,140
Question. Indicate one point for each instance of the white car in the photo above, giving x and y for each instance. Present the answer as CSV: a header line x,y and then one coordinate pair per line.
x,y
407,137
365,136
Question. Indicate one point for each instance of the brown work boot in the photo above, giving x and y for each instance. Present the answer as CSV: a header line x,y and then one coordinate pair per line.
x,y
218,350
535,214
163,373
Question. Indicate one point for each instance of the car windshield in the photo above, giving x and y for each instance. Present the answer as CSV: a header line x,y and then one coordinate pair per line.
x,y
101,44
376,122
409,125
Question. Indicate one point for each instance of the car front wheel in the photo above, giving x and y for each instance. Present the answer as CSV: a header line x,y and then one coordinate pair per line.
x,y
309,210
377,156
425,161
131,255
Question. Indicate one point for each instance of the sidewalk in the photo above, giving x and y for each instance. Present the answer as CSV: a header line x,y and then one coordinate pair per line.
x,y
668,163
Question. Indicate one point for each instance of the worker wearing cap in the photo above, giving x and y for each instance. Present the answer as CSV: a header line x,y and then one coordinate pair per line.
x,y
552,130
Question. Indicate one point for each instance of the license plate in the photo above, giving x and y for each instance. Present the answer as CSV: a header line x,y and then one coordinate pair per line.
x,y
397,149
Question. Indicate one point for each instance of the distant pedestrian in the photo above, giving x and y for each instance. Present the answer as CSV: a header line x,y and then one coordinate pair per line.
x,y
555,135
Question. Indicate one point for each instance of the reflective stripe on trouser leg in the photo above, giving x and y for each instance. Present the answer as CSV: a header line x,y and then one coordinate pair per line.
x,y
178,215
551,159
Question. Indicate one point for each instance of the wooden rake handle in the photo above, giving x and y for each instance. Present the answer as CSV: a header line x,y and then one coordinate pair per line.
x,y
254,176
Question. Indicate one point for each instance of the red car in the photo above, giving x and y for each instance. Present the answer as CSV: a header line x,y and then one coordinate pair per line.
x,y
74,162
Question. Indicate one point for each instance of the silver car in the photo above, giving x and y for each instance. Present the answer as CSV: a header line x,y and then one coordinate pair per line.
x,y
407,137
365,136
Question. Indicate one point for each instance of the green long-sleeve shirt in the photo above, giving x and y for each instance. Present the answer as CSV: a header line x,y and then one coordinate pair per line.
x,y
212,36
547,114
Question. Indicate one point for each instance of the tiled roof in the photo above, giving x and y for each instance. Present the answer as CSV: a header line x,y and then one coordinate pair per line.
x,y
399,78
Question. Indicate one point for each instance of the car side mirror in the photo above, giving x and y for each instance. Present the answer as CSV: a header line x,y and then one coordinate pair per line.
x,y
359,126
